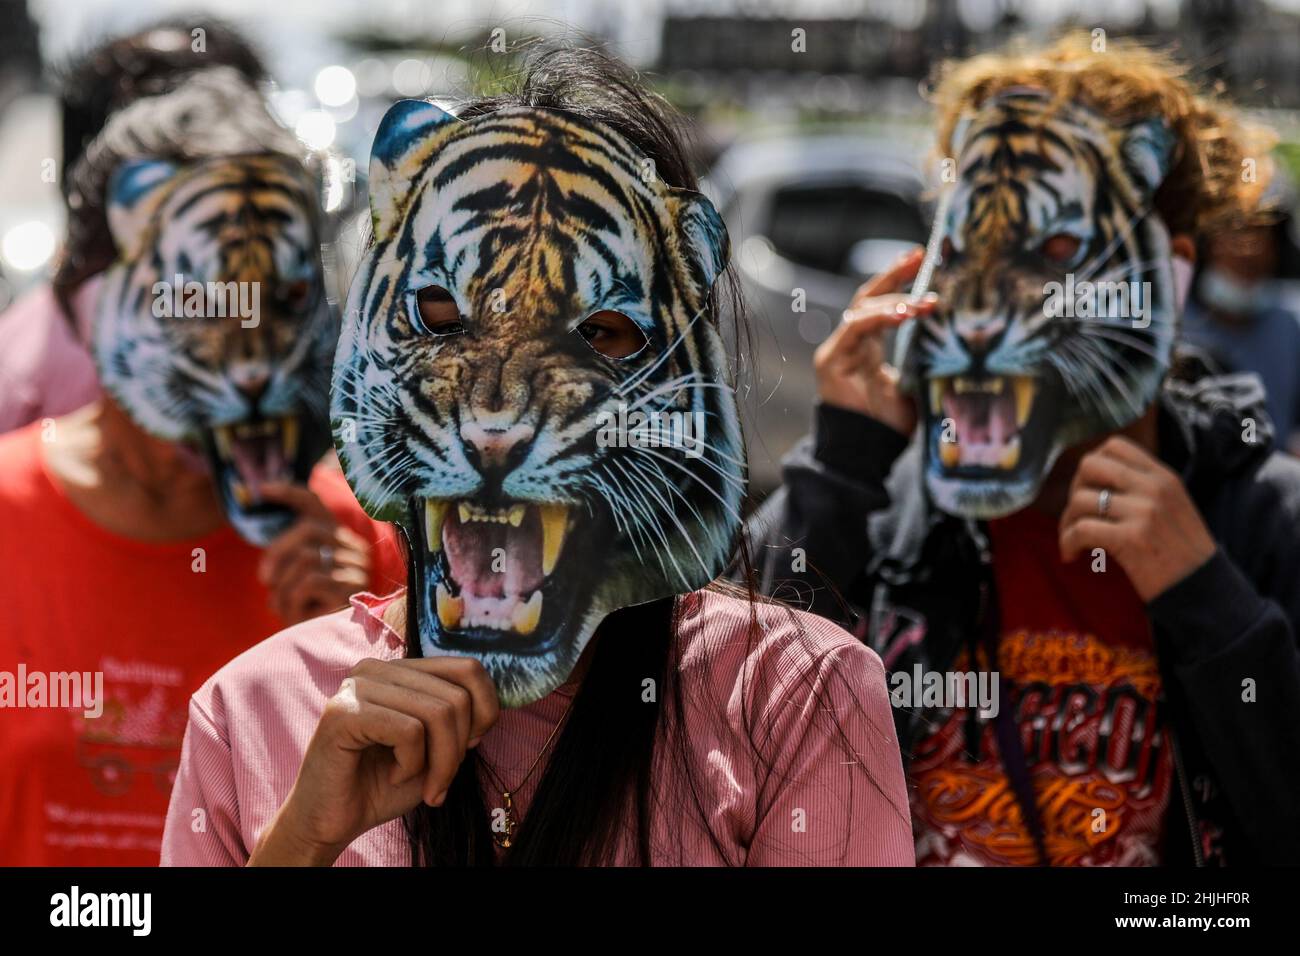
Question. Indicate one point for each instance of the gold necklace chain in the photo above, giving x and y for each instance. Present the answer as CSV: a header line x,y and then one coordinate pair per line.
x,y
505,838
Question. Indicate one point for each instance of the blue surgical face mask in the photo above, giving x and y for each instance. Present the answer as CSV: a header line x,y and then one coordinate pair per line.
x,y
1224,292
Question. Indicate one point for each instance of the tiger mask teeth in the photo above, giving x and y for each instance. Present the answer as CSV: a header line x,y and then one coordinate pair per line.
x,y
243,457
251,453
497,560
981,420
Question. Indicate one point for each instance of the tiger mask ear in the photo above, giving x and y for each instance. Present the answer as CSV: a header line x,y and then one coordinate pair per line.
x,y
134,191
703,235
395,160
1147,148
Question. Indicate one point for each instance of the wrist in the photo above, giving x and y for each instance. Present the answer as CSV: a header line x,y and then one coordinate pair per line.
x,y
1207,611
1194,562
283,843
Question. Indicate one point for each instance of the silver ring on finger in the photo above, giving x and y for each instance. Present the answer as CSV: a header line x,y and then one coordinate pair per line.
x,y
1103,502
326,557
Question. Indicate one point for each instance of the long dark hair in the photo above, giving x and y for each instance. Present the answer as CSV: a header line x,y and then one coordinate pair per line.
x,y
119,70
595,797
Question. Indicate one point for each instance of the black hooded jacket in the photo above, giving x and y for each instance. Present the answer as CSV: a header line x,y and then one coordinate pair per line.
x,y
875,554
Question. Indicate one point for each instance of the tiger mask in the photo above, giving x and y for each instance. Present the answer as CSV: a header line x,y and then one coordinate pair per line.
x,y
213,328
1057,297
531,290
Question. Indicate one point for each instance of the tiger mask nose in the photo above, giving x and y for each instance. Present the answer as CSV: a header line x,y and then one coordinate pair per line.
x,y
495,450
250,378
979,330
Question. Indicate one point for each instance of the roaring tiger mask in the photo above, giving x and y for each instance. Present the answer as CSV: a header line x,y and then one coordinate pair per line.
x,y
213,328
541,481
1058,297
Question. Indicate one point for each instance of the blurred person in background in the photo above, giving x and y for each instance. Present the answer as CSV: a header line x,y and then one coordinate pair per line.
x,y
45,368
155,533
1043,495
1245,318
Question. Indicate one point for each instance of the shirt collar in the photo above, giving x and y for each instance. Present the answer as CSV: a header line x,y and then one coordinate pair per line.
x,y
369,609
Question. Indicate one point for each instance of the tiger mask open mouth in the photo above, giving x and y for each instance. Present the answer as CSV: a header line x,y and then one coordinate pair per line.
x,y
244,456
989,438
505,579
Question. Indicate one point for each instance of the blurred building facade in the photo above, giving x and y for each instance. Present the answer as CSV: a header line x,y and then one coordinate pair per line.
x,y
1251,46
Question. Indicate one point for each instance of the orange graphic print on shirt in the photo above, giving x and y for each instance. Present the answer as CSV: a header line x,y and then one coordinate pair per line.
x,y
1091,730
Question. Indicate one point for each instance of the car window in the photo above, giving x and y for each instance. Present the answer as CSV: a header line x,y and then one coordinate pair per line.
x,y
820,225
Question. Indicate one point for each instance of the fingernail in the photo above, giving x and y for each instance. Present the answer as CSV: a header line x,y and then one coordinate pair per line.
x,y
437,801
473,742
930,297
903,308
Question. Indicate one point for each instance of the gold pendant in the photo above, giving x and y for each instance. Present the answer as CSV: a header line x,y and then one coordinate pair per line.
x,y
504,840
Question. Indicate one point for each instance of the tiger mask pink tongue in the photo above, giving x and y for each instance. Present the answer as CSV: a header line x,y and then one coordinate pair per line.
x,y
497,569
249,454
259,460
986,432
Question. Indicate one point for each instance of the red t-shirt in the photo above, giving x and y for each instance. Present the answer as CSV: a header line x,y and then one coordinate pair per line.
x,y
76,598
1078,659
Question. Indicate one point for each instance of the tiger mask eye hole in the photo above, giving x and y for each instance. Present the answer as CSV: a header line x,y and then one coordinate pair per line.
x,y
435,312
1060,248
612,334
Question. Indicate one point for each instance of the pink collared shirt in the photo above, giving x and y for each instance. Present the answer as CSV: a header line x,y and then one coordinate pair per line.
x,y
45,366
826,786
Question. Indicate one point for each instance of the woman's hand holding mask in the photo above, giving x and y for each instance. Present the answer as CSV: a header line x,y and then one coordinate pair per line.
x,y
392,737
851,369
